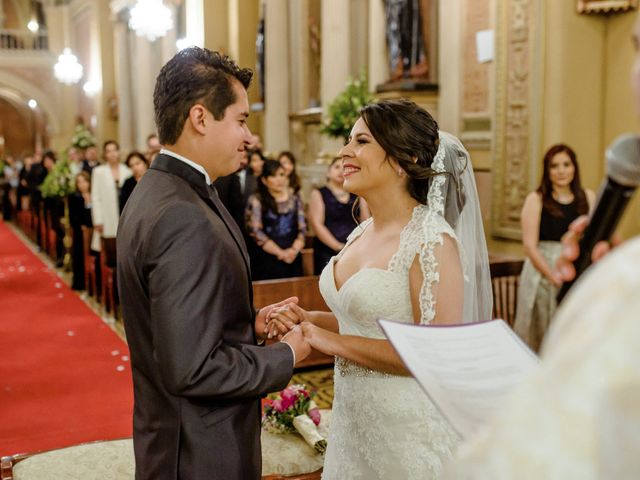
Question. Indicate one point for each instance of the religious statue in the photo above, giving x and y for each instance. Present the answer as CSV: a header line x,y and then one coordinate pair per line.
x,y
408,25
260,58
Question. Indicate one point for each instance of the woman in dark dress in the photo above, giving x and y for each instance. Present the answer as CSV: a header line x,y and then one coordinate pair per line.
x,y
276,224
332,216
79,216
545,217
138,164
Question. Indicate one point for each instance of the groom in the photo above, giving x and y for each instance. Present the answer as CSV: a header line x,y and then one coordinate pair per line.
x,y
185,287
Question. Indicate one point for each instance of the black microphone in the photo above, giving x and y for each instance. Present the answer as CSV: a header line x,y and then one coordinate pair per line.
x,y
623,176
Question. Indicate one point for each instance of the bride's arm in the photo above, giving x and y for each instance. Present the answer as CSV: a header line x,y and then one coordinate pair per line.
x,y
447,292
368,352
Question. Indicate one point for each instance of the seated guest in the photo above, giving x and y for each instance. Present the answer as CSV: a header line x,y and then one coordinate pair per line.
x,y
276,224
332,216
138,165
288,162
79,216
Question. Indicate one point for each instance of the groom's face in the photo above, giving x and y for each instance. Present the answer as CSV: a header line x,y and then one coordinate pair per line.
x,y
228,137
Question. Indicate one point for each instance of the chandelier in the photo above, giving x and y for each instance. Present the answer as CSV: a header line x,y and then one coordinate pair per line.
x,y
67,70
151,19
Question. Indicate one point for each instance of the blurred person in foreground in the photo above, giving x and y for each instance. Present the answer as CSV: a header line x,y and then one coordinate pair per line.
x,y
578,414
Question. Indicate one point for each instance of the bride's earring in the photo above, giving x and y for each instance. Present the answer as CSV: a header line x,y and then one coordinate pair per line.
x,y
400,172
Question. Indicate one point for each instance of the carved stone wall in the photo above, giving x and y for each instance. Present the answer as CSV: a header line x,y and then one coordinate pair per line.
x,y
518,106
475,94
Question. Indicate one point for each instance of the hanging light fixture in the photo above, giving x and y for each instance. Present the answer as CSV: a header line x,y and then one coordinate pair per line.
x,y
67,70
151,19
33,26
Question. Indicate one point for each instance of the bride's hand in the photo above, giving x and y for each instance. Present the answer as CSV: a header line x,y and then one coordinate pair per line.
x,y
281,320
318,338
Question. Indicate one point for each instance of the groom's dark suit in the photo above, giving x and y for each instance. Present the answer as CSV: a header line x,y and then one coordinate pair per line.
x,y
185,288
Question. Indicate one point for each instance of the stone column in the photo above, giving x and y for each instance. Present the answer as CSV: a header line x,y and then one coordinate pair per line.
x,y
143,85
336,58
378,56
102,49
123,95
194,13
299,42
450,70
276,113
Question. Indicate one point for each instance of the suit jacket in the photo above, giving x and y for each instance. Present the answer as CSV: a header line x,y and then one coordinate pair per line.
x,y
105,203
185,288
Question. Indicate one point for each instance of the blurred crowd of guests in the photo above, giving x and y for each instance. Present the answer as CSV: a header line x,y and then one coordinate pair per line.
x,y
263,197
102,186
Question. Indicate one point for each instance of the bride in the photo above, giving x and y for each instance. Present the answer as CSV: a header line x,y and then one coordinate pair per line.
x,y
420,258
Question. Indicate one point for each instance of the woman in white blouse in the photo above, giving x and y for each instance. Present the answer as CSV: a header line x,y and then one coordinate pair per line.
x,y
106,181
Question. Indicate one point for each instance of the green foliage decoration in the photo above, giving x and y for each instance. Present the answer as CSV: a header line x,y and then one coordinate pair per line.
x,y
60,181
344,111
82,137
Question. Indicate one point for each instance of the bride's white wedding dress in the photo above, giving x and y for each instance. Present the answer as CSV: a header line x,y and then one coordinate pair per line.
x,y
384,426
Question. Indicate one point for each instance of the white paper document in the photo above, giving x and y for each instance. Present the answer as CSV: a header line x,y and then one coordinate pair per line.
x,y
466,370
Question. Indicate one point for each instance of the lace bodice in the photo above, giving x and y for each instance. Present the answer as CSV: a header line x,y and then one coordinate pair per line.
x,y
365,296
384,426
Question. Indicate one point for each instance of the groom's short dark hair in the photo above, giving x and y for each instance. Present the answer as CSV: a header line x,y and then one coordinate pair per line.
x,y
194,75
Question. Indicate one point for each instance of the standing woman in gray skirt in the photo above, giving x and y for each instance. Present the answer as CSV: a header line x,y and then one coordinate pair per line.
x,y
545,217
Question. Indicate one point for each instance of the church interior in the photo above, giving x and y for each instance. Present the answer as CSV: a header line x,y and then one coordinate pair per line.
x,y
509,78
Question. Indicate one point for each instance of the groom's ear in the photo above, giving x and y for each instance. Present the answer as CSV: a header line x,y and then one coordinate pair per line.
x,y
197,118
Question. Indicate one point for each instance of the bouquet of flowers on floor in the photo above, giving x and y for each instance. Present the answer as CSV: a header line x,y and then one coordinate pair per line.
x,y
292,410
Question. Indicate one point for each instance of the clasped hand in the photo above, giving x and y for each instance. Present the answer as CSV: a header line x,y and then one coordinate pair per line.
x,y
282,319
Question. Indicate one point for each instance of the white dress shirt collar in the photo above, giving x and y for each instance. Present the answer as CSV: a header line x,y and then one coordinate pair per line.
x,y
191,163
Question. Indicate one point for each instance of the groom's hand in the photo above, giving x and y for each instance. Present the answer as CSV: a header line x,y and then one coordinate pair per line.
x,y
299,345
263,314
284,318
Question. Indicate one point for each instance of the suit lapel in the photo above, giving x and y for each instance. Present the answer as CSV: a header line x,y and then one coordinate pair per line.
x,y
174,166
229,222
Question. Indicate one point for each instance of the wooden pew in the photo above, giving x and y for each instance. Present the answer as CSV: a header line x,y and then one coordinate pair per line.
x,y
108,273
90,273
266,292
505,279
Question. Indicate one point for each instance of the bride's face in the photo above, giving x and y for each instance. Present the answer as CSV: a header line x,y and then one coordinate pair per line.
x,y
363,161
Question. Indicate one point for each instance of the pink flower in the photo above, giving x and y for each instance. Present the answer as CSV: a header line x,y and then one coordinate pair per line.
x,y
278,406
289,398
314,414
288,402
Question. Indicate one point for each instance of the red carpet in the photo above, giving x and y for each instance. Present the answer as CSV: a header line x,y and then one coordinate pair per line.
x,y
65,376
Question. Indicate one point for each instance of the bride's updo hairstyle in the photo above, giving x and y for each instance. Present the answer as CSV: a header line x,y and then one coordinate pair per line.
x,y
409,135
